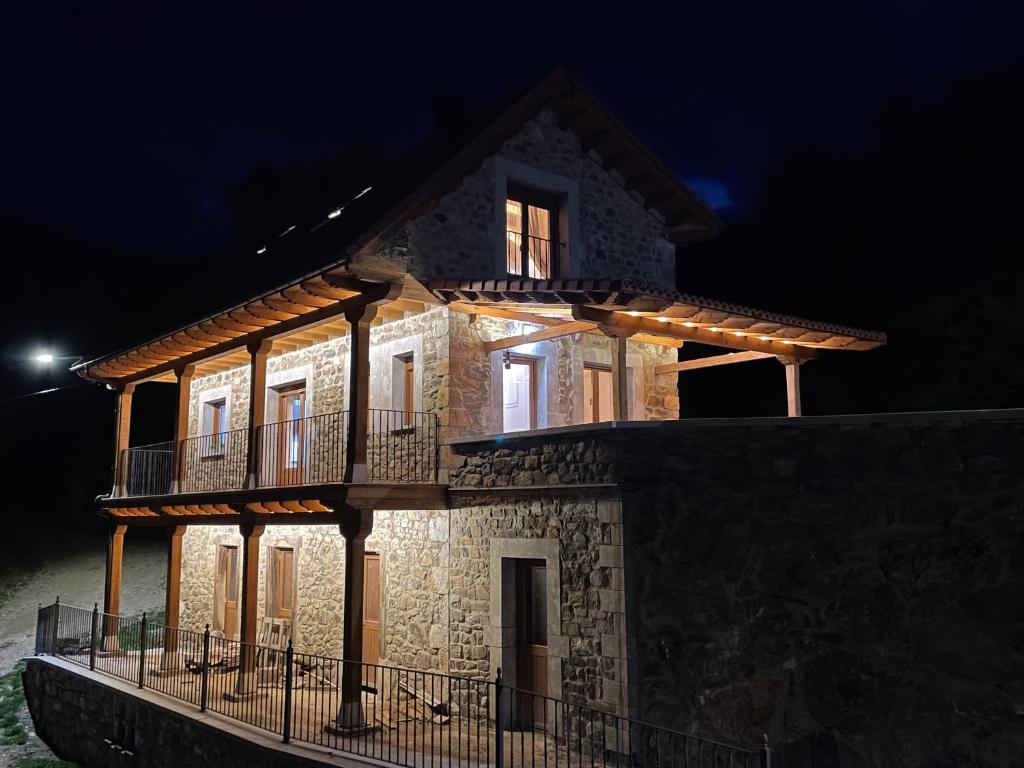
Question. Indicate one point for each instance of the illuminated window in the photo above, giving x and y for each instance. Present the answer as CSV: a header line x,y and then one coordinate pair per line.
x,y
214,426
531,233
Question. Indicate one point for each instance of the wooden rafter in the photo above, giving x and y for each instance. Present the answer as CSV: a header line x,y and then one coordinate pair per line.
x,y
551,332
709,362
621,322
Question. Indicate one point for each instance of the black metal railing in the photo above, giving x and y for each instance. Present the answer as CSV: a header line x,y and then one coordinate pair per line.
x,y
216,462
402,446
539,254
401,716
148,470
302,451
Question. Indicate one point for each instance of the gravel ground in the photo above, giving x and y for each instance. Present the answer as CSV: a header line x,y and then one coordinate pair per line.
x,y
72,568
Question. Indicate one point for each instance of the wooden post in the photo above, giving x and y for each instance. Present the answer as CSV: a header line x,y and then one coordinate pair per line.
x,y
251,535
359,318
184,375
620,385
258,353
793,406
356,526
172,602
122,430
112,586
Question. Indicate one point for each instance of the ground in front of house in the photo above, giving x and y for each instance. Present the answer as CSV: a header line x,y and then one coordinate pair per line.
x,y
70,565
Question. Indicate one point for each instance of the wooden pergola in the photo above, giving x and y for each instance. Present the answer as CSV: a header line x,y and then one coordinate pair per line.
x,y
623,309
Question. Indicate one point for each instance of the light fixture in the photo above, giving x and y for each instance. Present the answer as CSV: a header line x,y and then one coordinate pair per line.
x,y
688,324
260,250
765,338
506,358
662,319
787,341
737,333
714,329
633,313
335,213
45,358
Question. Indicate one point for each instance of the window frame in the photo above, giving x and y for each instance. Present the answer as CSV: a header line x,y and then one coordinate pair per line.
x,y
527,197
532,362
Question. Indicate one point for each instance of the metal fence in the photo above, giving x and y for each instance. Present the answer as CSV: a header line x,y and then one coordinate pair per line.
x,y
401,716
402,447
148,470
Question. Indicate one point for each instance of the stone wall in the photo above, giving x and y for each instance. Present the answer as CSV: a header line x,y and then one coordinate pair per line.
x,y
463,237
850,585
83,718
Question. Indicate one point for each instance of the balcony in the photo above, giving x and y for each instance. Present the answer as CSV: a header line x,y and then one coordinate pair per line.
x,y
401,448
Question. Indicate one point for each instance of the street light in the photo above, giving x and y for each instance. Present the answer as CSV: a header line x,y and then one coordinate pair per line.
x,y
45,357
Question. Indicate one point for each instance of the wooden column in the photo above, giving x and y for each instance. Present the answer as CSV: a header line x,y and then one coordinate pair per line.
x,y
620,385
251,535
258,353
793,406
122,430
112,585
172,601
184,375
356,526
360,319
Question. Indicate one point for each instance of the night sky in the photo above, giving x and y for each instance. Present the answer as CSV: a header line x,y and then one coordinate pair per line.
x,y
865,158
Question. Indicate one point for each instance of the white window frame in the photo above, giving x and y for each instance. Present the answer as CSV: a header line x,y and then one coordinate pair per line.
x,y
206,400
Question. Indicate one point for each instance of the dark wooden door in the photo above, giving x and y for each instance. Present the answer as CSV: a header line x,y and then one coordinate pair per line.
x,y
371,616
531,640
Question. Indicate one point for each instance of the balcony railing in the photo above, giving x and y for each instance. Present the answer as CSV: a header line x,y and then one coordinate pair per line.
x,y
148,469
216,462
541,255
415,717
401,447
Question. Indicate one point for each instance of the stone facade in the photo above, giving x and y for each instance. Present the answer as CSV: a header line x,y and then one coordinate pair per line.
x,y
610,233
817,579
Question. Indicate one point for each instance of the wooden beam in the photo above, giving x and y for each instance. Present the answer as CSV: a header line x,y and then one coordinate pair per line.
x,y
624,322
793,405
172,598
551,332
620,387
709,362
356,526
258,353
112,586
251,534
122,432
184,375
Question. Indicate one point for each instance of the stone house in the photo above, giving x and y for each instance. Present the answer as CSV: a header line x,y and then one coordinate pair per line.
x,y
411,455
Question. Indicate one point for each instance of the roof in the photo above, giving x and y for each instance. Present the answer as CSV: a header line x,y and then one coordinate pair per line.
x,y
672,308
364,223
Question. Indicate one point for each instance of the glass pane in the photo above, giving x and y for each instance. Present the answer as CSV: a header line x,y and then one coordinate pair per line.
x,y
513,236
539,252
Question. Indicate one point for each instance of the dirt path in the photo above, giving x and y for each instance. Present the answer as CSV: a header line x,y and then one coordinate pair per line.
x,y
73,569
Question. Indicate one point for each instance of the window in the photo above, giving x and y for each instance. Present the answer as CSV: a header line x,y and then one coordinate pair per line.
x,y
531,233
519,394
214,426
281,586
225,597
597,394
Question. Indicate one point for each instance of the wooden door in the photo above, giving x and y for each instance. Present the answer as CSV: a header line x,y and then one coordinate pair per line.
x,y
372,599
597,394
226,591
531,641
291,449
281,590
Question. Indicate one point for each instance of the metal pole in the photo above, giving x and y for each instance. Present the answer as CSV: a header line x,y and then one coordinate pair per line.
x,y
289,655
92,635
204,683
55,627
499,735
766,753
142,652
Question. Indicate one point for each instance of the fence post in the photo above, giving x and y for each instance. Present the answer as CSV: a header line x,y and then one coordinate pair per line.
x,y
289,656
204,682
92,635
765,753
499,735
142,652
55,627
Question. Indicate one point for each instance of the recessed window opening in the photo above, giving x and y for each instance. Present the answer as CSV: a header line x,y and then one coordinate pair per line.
x,y
531,233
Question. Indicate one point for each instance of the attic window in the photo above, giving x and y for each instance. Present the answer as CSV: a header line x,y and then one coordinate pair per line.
x,y
531,233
